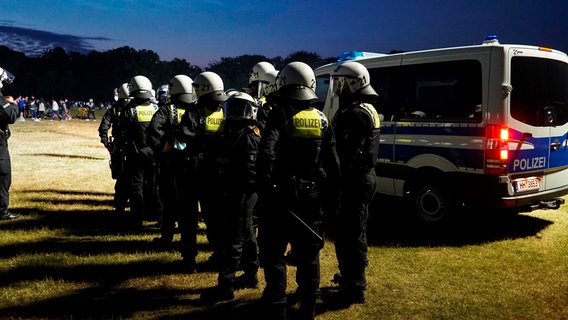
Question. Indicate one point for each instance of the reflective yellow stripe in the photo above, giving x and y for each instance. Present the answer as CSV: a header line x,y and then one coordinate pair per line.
x,y
176,113
214,121
308,124
373,112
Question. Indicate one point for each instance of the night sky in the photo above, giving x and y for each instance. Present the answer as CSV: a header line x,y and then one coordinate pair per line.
x,y
203,31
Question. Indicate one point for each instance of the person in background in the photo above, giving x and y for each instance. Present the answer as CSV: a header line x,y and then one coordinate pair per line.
x,y
54,109
63,110
41,109
32,106
8,114
22,101
90,110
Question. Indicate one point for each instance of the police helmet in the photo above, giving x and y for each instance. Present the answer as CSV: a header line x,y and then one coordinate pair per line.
x,y
140,87
181,89
269,79
231,91
123,92
259,70
5,77
296,81
163,92
240,106
356,77
209,83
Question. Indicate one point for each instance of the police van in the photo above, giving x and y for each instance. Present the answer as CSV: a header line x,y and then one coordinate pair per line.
x,y
480,126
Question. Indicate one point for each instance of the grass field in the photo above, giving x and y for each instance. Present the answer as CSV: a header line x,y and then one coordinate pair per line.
x,y
66,259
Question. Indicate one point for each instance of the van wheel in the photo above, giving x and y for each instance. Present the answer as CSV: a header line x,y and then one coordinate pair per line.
x,y
431,203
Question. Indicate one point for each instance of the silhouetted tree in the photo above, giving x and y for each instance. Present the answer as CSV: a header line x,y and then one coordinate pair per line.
x,y
75,76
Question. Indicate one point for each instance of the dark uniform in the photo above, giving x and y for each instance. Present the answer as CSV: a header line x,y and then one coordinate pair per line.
x,y
111,121
8,115
356,128
176,179
238,241
202,129
264,107
140,162
296,160
241,249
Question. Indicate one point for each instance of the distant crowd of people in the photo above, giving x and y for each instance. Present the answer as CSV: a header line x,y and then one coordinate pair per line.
x,y
37,109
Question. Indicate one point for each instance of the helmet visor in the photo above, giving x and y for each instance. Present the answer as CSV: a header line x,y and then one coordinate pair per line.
x,y
7,77
239,109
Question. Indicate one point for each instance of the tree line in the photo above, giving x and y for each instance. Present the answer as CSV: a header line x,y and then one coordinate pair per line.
x,y
70,75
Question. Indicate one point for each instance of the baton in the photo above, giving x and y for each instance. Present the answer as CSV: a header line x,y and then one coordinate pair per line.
x,y
315,234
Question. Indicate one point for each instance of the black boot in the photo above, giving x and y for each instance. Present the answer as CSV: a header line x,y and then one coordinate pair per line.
x,y
245,281
307,310
275,311
343,297
216,294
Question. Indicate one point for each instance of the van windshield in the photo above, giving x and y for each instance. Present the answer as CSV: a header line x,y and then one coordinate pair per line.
x,y
540,91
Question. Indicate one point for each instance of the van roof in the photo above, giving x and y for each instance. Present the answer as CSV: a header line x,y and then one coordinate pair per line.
x,y
488,41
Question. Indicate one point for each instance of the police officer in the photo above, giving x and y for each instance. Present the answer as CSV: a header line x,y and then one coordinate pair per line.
x,y
296,161
176,176
8,115
163,95
140,162
202,130
258,80
238,240
356,126
111,121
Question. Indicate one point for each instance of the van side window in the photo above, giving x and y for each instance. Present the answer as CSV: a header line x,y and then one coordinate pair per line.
x,y
539,95
441,91
322,86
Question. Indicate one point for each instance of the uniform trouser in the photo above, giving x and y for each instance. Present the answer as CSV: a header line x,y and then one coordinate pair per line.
x,y
238,243
141,180
351,235
179,204
277,228
5,176
120,194
120,185
212,197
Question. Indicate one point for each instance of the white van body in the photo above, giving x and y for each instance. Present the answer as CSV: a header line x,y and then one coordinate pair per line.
x,y
474,126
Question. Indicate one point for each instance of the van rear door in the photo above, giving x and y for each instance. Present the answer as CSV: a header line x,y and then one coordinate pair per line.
x,y
538,122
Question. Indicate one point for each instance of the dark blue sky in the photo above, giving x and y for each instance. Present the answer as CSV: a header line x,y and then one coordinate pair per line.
x,y
203,31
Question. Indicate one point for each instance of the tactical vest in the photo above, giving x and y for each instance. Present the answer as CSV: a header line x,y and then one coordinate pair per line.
x,y
211,122
144,113
309,123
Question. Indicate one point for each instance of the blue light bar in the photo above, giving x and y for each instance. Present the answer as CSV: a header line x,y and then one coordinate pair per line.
x,y
491,38
350,55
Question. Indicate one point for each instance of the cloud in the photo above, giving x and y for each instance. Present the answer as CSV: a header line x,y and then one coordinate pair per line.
x,y
34,42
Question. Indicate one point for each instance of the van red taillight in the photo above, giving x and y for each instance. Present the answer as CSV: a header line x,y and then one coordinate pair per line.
x,y
496,149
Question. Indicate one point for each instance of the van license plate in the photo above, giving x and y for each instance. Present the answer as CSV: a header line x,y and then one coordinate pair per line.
x,y
528,184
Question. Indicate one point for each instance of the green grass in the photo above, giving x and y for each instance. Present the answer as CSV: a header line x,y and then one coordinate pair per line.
x,y
67,259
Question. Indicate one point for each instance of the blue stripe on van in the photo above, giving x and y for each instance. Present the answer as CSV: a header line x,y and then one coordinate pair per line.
x,y
462,145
